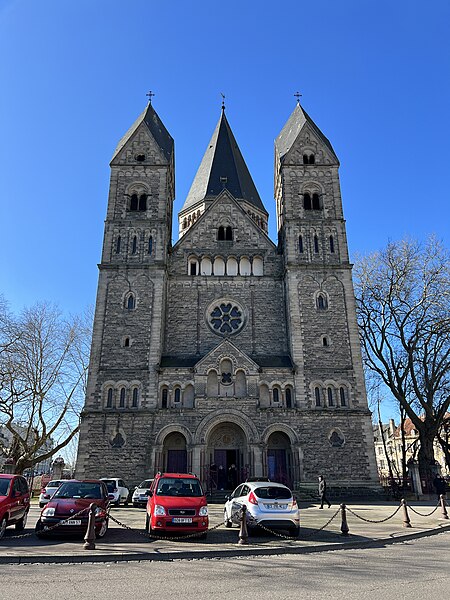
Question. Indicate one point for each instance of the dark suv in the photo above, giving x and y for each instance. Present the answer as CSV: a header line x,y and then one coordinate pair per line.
x,y
14,502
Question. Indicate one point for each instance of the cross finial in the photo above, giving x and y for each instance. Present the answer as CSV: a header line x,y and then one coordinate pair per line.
x,y
223,101
150,95
298,96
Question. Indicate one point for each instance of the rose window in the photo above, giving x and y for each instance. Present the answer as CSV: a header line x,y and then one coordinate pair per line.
x,y
226,318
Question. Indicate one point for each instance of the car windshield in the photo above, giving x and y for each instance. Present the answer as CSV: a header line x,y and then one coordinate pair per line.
x,y
171,486
79,489
4,486
273,493
145,485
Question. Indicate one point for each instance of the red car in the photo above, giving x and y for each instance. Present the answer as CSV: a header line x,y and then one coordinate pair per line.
x,y
14,502
71,497
176,503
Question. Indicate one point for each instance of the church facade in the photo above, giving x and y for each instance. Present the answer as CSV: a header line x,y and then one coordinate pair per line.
x,y
224,348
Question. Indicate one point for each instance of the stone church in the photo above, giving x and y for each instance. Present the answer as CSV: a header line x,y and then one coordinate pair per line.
x,y
225,348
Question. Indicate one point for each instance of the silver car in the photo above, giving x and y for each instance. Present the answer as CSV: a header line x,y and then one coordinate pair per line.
x,y
48,491
268,503
140,494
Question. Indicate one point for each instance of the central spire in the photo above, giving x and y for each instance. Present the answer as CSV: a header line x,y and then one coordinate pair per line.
x,y
223,167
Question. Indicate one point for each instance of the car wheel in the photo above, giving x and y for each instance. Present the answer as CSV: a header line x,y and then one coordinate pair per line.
x,y
103,529
227,521
117,504
38,530
2,527
294,532
41,504
20,525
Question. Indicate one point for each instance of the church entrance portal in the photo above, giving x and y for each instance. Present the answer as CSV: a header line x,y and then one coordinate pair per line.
x,y
227,457
175,453
279,458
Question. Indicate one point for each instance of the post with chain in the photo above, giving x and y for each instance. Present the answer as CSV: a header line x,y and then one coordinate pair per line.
x,y
243,533
443,506
89,538
344,524
406,519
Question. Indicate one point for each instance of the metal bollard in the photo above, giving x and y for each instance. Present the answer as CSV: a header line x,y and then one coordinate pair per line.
x,y
443,507
344,524
406,520
89,538
243,533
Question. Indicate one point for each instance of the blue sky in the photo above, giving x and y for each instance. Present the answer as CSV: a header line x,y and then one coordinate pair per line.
x,y
374,77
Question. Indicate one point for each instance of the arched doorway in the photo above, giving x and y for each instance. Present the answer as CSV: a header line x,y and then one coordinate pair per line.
x,y
227,446
175,453
279,458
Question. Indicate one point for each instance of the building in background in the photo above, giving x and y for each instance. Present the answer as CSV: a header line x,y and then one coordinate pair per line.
x,y
226,353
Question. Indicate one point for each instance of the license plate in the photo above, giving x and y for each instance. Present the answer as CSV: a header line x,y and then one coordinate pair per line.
x,y
72,522
142,498
276,506
181,520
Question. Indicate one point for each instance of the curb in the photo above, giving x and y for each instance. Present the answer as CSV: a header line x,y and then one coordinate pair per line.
x,y
239,552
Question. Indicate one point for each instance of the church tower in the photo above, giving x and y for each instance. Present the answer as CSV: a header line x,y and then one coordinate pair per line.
x,y
225,348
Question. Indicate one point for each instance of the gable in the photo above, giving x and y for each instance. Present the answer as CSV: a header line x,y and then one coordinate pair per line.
x,y
226,349
140,142
308,142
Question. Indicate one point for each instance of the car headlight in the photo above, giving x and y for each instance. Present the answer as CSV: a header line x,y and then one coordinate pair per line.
x,y
159,511
203,512
48,512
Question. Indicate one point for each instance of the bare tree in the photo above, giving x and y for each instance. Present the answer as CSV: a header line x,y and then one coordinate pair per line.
x,y
403,303
43,364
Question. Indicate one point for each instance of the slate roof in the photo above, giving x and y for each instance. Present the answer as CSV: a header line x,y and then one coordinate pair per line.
x,y
292,129
157,129
223,159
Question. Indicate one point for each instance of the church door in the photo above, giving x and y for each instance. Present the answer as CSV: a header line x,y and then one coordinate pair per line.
x,y
176,461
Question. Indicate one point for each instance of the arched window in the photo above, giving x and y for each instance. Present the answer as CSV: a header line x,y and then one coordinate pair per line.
x,y
229,234
288,396
118,244
134,245
331,244
130,302
307,201
232,266
316,244
177,395
342,396
193,266
206,266
300,244
245,267
134,202
126,342
330,396
258,266
321,302
164,396
276,395
305,159
109,399
316,202
184,223
221,233
325,341
312,159
212,384
150,245
317,395
240,384
135,400
122,398
143,202
219,266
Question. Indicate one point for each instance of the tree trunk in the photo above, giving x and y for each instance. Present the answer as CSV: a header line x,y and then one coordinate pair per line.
x,y
426,460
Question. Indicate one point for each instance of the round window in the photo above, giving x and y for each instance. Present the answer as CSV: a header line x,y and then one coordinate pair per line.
x,y
225,317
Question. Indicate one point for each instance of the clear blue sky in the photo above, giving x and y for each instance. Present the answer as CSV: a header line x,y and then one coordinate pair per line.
x,y
375,77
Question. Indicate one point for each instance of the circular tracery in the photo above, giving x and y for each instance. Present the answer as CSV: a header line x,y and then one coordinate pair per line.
x,y
225,317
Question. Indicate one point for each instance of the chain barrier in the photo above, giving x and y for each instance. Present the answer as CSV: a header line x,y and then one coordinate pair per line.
x,y
427,514
374,520
289,537
46,529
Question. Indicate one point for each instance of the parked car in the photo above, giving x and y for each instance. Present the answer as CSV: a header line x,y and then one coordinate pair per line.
x,y
48,491
14,502
176,503
71,497
140,494
117,490
268,503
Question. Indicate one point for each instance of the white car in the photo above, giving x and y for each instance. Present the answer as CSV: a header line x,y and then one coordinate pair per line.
x,y
117,490
48,491
140,494
268,503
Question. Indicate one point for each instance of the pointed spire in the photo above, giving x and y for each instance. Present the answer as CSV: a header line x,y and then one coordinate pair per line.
x,y
223,167
156,127
294,125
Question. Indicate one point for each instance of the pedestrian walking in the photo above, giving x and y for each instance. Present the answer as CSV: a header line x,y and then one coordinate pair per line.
x,y
323,492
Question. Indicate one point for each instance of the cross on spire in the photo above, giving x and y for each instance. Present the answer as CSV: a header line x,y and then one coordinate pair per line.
x,y
150,95
298,96
223,101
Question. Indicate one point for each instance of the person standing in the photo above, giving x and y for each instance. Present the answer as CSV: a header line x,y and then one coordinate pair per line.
x,y
323,492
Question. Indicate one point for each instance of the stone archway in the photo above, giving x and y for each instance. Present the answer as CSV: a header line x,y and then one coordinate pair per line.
x,y
175,456
280,464
226,445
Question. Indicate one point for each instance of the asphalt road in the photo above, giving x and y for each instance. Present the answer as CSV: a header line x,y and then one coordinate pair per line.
x,y
404,571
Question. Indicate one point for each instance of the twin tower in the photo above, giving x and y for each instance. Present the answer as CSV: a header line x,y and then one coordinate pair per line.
x,y
225,348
